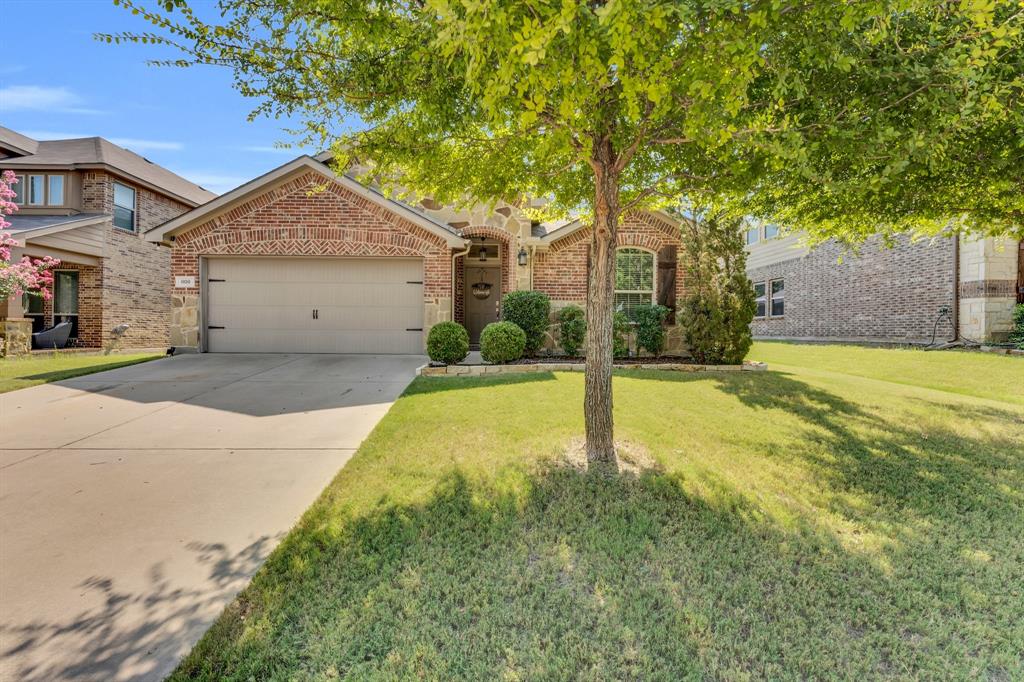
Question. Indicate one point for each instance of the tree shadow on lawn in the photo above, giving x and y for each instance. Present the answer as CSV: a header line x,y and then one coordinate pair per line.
x,y
560,574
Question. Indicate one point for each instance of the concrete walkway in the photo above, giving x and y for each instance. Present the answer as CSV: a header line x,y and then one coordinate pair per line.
x,y
135,503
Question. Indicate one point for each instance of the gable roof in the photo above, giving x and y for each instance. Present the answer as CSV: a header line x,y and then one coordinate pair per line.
x,y
96,152
226,201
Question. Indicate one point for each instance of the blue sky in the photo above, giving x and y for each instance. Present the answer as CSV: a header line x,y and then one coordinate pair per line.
x,y
57,81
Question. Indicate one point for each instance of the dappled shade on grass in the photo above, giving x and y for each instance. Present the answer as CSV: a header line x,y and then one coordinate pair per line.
x,y
795,526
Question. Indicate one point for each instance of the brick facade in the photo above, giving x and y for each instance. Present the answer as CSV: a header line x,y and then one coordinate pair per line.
x,y
90,305
880,295
561,272
136,273
304,217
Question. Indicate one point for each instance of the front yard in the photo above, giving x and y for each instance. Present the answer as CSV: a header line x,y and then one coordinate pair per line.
x,y
42,368
840,516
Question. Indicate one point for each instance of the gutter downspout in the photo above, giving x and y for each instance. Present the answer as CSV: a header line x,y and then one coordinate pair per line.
x,y
469,246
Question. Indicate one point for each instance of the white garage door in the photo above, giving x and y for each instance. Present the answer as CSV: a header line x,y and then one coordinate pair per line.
x,y
314,305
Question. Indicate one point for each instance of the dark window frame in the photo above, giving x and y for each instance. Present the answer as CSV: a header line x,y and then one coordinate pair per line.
x,y
761,300
780,299
132,210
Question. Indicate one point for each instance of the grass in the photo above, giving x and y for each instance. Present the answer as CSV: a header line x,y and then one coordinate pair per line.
x,y
807,522
983,375
18,373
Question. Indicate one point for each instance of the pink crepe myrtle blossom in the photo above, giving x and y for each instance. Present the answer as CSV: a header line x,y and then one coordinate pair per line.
x,y
32,276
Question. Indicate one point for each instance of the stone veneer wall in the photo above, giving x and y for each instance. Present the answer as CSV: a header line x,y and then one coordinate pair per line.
x,y
561,271
304,217
136,273
881,295
988,283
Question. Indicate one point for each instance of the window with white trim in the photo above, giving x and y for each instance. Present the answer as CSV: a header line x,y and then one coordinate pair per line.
x,y
54,190
36,190
634,280
19,190
771,230
777,289
124,207
759,296
753,235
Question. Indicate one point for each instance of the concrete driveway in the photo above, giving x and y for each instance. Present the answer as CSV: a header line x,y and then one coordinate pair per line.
x,y
135,503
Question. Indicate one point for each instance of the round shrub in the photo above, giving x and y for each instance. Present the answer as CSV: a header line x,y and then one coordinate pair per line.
x,y
530,311
572,329
448,342
650,334
502,342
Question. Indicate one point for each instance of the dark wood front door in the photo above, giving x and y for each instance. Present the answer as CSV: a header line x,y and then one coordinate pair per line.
x,y
480,312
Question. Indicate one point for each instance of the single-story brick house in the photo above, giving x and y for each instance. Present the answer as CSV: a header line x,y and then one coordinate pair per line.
x,y
87,202
305,260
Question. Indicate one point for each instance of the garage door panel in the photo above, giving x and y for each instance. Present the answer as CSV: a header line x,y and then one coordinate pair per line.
x,y
266,305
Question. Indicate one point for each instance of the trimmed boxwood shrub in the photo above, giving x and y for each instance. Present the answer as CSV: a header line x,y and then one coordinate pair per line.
x,y
448,342
572,329
530,311
650,334
502,342
620,335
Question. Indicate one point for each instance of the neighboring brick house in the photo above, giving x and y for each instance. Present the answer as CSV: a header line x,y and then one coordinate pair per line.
x,y
304,260
953,288
88,202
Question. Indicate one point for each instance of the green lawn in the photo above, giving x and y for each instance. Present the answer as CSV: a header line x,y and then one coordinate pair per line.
x,y
18,373
831,518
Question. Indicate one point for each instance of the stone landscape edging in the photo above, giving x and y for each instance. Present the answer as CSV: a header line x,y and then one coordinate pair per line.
x,y
477,370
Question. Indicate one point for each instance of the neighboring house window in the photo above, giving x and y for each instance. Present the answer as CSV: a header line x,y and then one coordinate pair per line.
x,y
634,280
753,234
65,298
55,190
778,295
760,298
124,207
19,190
771,231
36,187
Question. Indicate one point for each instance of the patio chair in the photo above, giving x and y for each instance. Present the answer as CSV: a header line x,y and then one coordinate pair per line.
x,y
54,337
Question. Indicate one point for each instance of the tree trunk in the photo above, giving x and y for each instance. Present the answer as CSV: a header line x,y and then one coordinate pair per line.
x,y
597,399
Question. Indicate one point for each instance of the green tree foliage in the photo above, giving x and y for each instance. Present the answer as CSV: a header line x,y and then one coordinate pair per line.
x,y
448,342
650,330
531,311
819,107
502,342
719,304
572,329
1017,334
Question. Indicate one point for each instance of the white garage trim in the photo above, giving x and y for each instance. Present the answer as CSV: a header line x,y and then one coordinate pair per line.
x,y
280,304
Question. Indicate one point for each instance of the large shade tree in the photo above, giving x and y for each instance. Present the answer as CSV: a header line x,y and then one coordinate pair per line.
x,y
602,107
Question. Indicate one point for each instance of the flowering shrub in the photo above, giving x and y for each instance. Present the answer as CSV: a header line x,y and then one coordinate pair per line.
x,y
29,275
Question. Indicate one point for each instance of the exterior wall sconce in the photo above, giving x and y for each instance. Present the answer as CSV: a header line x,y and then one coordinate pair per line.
x,y
522,256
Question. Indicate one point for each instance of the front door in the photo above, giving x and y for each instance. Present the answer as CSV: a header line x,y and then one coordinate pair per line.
x,y
480,312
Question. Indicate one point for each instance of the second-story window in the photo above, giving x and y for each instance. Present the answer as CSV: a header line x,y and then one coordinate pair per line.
x,y
36,188
54,190
124,207
771,230
753,234
19,190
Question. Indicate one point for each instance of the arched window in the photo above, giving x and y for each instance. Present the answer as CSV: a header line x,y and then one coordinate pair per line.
x,y
634,279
